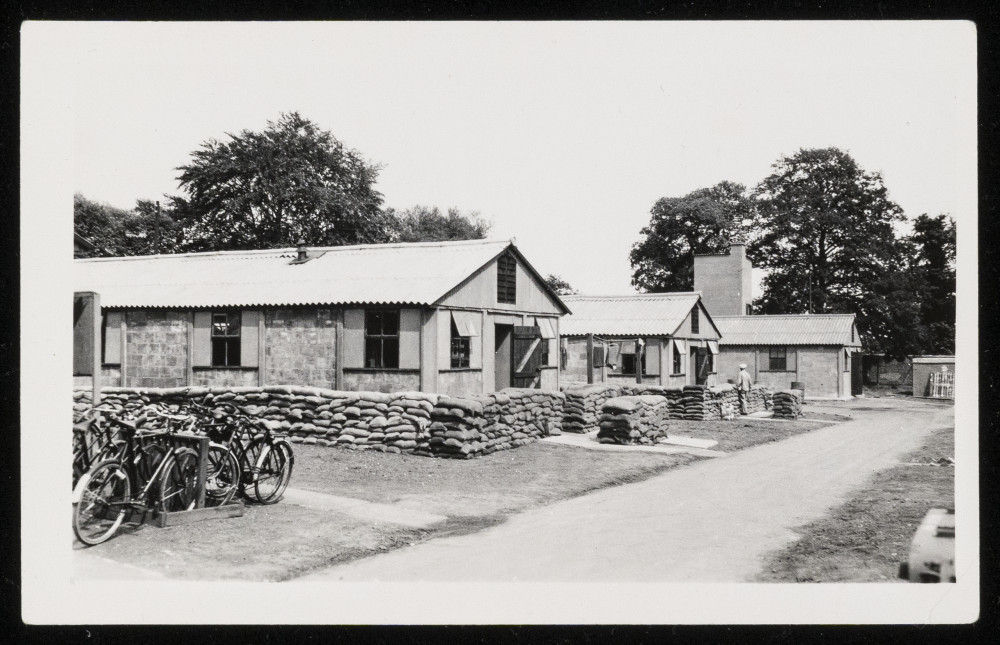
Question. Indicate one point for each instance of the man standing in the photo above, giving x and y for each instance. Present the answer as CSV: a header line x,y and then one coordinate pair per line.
x,y
743,384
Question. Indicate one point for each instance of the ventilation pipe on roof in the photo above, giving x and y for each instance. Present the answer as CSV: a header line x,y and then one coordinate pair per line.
x,y
303,252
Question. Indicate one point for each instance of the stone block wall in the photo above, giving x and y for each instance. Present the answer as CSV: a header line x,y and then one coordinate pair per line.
x,y
819,369
386,381
640,419
156,348
225,377
300,347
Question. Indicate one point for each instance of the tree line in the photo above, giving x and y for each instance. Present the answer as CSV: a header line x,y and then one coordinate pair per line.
x,y
828,238
270,189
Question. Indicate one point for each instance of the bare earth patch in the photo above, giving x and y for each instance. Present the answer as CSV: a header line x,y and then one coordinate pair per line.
x,y
284,541
865,539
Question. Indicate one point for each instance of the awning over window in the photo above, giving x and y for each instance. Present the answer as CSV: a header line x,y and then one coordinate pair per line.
x,y
545,325
713,347
628,347
680,346
466,322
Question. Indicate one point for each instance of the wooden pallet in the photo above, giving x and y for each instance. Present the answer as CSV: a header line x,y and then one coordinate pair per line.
x,y
942,385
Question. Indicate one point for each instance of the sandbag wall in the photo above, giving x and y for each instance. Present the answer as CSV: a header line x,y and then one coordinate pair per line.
x,y
397,422
466,427
787,404
582,410
640,419
704,403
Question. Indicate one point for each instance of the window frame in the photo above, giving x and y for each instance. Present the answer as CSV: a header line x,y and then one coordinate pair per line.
x,y
381,338
507,279
695,321
226,340
677,362
772,357
631,359
464,347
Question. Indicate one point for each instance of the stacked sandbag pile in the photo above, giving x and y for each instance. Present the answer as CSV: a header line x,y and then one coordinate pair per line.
x,y
787,404
583,406
638,419
484,423
693,402
758,398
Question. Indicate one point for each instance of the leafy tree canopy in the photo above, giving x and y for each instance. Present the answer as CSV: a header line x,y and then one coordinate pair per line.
x,y
560,286
118,232
702,221
269,189
423,224
823,231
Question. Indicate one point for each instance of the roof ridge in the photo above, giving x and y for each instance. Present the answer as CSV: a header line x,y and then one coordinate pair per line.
x,y
787,316
287,250
579,296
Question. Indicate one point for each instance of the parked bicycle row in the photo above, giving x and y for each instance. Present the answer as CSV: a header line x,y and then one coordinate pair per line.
x,y
143,461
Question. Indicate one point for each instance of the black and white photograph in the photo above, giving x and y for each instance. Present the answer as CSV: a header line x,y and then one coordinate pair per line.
x,y
499,322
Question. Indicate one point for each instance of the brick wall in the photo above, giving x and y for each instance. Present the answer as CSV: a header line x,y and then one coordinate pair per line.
x,y
110,376
300,347
156,348
922,369
819,371
460,382
225,377
381,381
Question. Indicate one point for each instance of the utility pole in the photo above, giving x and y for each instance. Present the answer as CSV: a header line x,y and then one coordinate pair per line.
x,y
640,348
157,227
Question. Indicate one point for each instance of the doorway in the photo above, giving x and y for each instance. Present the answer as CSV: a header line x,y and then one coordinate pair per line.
x,y
699,360
503,349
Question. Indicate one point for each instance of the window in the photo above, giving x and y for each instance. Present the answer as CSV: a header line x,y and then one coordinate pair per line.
x,y
225,339
847,360
460,347
694,320
710,362
543,353
628,363
777,359
678,368
749,309
507,279
381,338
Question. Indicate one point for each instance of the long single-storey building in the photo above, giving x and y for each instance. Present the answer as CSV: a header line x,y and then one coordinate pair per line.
x,y
813,349
672,335
448,317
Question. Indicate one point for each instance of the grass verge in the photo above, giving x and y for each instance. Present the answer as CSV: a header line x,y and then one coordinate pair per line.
x,y
865,539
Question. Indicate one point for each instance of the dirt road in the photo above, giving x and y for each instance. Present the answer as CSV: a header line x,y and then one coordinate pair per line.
x,y
709,522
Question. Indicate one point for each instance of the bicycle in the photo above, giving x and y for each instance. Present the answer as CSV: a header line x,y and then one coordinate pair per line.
x,y
92,438
265,461
165,478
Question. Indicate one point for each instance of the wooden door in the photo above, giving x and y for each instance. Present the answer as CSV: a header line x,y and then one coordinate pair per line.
x,y
526,357
857,374
700,365
502,347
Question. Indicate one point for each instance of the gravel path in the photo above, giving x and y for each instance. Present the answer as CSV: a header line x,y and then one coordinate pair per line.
x,y
713,521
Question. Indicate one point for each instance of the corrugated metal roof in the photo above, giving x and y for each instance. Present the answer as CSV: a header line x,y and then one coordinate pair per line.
x,y
419,273
801,329
647,314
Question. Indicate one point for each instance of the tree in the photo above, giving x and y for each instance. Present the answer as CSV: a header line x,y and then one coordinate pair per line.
x,y
119,232
560,286
290,182
702,221
934,241
423,224
823,231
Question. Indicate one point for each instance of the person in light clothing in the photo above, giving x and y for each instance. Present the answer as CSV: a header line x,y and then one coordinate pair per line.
x,y
743,384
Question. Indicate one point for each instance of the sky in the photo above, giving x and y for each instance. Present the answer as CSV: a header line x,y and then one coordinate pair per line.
x,y
562,134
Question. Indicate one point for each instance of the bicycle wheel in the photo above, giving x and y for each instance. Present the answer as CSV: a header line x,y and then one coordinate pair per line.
x,y
222,476
102,503
275,473
248,462
178,485
81,459
148,459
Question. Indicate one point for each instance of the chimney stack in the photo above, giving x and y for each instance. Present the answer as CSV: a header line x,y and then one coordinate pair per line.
x,y
303,252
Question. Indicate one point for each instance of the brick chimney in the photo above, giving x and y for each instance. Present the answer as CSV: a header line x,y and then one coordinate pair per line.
x,y
724,280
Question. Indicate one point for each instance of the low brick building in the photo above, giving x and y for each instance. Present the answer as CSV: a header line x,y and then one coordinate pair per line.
x,y
449,317
941,368
670,336
814,349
